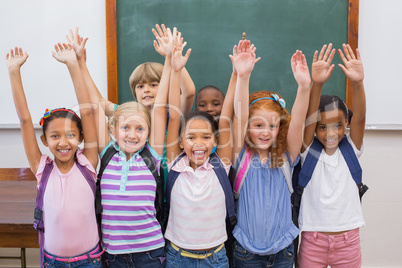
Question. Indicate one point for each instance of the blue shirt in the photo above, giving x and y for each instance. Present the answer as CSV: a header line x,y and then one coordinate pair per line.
x,y
264,212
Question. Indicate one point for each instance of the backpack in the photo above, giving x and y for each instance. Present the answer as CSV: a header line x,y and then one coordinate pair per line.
x,y
220,172
38,214
302,176
151,164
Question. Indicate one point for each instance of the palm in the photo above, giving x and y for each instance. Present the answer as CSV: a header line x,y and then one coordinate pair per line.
x,y
354,70
17,60
178,60
302,75
244,63
320,71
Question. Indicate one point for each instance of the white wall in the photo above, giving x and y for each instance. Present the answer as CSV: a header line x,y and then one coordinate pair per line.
x,y
382,204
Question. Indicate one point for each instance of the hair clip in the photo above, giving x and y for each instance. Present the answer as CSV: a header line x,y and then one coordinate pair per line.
x,y
45,115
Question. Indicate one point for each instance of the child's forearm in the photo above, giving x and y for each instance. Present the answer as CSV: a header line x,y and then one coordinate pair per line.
x,y
188,91
359,102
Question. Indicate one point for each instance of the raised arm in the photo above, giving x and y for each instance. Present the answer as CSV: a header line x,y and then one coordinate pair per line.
x,y
15,59
321,70
159,110
64,53
244,59
187,86
300,106
178,62
102,106
353,69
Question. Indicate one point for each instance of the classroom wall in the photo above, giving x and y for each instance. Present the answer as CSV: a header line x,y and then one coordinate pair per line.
x,y
382,204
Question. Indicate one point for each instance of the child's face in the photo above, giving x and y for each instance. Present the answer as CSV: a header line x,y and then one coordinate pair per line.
x,y
131,133
263,128
62,136
198,141
146,93
330,129
210,100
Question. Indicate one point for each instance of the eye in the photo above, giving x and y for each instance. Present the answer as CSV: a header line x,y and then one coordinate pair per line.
x,y
258,125
207,137
140,129
338,126
154,84
54,136
201,105
322,127
139,86
272,126
124,127
70,136
217,104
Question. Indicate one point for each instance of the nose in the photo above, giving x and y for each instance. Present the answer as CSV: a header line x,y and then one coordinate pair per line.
x,y
146,88
209,108
63,141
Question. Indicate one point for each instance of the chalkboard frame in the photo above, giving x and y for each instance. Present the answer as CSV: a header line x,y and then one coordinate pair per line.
x,y
111,46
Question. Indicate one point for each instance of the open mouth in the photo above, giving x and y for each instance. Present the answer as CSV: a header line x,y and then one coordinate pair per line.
x,y
199,154
131,143
64,151
331,141
147,98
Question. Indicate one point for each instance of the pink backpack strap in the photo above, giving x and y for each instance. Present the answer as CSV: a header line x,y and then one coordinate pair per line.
x,y
241,172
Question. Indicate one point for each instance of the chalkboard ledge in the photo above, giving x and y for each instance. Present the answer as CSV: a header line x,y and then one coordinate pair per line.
x,y
383,126
16,126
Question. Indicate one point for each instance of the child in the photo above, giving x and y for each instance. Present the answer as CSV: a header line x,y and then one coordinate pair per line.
x,y
71,233
196,227
263,128
209,99
131,233
330,211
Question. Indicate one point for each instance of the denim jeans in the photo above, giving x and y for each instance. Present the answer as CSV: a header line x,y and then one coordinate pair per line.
x,y
246,259
87,263
150,259
175,260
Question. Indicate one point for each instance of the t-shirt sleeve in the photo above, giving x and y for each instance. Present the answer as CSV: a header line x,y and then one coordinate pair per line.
x,y
42,163
357,152
83,160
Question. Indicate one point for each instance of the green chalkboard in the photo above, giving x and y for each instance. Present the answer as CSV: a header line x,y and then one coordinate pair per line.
x,y
212,27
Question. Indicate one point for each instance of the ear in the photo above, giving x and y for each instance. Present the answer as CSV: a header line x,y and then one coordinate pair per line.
x,y
44,141
112,130
181,144
81,138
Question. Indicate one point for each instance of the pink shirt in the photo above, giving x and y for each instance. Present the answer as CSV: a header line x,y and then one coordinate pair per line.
x,y
68,209
197,207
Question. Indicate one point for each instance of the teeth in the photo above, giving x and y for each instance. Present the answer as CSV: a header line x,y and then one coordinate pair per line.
x,y
63,151
131,142
331,140
198,152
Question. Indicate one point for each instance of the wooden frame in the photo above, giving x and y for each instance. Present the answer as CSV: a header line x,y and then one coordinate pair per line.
x,y
111,47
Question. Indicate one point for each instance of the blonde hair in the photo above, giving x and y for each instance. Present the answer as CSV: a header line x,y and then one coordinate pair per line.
x,y
145,73
278,149
130,108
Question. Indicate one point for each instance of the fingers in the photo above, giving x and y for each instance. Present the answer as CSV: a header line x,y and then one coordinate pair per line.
x,y
158,28
321,55
315,56
327,52
244,36
187,54
343,68
84,42
358,54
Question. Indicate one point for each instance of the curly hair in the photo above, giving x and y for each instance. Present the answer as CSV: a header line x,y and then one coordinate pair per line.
x,y
277,150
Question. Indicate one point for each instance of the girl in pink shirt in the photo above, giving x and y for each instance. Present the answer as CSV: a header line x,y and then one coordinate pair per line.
x,y
71,235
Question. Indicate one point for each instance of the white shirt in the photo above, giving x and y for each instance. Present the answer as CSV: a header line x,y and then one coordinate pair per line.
x,y
330,201
197,207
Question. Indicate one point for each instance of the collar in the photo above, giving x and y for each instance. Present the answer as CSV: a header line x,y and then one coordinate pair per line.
x,y
184,165
137,154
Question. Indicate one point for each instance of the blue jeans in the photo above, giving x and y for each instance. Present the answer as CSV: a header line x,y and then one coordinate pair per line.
x,y
87,263
150,259
175,260
246,259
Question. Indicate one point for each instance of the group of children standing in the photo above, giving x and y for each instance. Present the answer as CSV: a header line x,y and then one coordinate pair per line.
x,y
254,134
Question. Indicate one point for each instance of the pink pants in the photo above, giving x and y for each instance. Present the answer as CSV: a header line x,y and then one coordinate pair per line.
x,y
339,251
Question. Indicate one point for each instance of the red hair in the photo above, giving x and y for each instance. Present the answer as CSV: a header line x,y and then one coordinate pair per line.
x,y
277,150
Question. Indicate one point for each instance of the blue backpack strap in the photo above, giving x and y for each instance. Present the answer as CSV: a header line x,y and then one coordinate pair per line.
x,y
220,172
38,214
171,179
302,176
353,164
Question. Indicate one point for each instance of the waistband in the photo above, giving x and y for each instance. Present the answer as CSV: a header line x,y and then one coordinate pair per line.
x,y
339,237
200,256
91,254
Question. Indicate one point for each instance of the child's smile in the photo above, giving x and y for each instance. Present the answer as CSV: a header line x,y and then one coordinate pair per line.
x,y
331,129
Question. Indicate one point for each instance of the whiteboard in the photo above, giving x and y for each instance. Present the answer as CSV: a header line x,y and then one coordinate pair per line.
x,y
36,26
379,43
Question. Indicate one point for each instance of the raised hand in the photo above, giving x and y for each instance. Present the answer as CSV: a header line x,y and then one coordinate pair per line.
x,y
244,58
16,58
163,43
178,60
321,68
64,53
353,66
78,44
252,48
300,69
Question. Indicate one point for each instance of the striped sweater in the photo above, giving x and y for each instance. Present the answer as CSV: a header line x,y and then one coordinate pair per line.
x,y
128,194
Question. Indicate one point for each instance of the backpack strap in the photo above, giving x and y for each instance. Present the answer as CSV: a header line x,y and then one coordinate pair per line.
x,y
227,188
38,214
110,152
171,179
241,173
87,175
159,198
353,165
